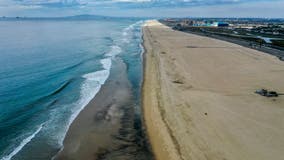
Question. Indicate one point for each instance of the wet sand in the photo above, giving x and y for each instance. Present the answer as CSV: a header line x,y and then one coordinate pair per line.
x,y
199,100
107,128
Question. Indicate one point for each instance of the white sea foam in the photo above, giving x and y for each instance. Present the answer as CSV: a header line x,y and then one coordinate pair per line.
x,y
106,63
90,87
142,51
99,76
124,33
128,31
22,144
115,50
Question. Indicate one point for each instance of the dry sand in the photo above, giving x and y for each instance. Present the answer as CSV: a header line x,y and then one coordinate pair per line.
x,y
199,101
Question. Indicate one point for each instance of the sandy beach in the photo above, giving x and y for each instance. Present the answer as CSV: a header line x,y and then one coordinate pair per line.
x,y
199,101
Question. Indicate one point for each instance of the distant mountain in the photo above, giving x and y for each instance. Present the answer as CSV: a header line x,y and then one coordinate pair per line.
x,y
88,16
76,17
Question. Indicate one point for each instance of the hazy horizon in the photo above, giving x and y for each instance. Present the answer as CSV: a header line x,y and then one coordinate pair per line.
x,y
113,16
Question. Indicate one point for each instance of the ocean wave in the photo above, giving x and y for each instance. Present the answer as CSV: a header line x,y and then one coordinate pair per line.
x,y
106,63
90,87
127,35
115,50
98,78
49,77
22,144
128,31
94,81
8,120
142,50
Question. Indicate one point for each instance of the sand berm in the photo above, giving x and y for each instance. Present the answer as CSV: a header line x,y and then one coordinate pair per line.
x,y
199,101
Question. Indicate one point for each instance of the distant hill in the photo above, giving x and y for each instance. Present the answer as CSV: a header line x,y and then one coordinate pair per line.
x,y
76,17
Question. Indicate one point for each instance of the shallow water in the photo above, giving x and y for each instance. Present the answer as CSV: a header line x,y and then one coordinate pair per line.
x,y
50,70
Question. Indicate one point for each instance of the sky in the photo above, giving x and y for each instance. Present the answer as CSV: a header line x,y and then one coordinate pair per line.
x,y
144,8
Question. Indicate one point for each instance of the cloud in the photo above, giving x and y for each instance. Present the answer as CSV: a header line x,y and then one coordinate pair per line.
x,y
48,3
137,7
126,3
252,9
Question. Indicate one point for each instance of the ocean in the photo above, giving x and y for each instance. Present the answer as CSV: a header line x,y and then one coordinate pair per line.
x,y
50,70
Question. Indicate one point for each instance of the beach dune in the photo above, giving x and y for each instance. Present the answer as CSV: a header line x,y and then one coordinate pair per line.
x,y
199,101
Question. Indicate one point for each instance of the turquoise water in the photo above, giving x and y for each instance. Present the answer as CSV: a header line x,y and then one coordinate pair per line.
x,y
50,70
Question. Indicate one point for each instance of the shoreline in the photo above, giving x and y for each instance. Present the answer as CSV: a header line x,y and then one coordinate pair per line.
x,y
82,125
199,103
105,128
159,150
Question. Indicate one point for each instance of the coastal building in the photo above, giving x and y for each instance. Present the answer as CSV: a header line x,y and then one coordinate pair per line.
x,y
220,24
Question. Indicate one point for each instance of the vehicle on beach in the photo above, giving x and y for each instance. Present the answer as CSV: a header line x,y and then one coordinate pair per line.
x,y
266,93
